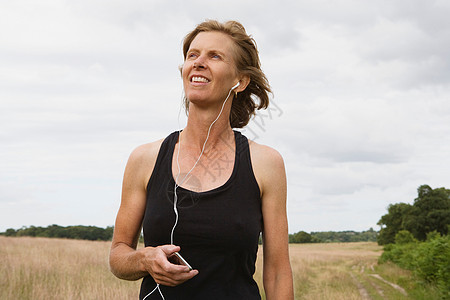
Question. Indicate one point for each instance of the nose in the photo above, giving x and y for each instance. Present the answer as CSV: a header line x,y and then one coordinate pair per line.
x,y
199,63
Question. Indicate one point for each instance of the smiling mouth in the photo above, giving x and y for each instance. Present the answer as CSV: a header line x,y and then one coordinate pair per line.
x,y
198,79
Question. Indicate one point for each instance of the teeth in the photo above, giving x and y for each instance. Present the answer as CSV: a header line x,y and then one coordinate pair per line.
x,y
199,79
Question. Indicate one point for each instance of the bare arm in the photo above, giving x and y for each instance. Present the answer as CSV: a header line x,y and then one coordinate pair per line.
x,y
125,261
277,275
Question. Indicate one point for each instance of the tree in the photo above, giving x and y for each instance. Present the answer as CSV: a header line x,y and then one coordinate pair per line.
x,y
301,237
10,232
392,222
430,211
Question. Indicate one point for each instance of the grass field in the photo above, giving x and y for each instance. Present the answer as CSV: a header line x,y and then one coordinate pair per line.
x,y
42,268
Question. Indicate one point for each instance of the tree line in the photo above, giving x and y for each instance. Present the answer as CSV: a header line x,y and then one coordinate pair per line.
x,y
333,236
94,233
79,232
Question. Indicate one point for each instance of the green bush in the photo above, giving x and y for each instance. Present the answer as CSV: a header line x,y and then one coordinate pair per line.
x,y
433,262
404,237
429,260
403,255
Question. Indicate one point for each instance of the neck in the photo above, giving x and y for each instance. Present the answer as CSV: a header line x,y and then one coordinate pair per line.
x,y
203,124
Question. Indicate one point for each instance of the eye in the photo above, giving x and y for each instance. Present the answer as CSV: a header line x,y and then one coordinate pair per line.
x,y
191,55
216,56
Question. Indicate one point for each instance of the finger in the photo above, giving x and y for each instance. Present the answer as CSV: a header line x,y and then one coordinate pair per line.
x,y
185,276
164,280
166,273
175,279
166,268
171,263
173,270
170,249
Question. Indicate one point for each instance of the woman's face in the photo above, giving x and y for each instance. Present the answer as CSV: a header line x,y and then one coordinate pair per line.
x,y
209,70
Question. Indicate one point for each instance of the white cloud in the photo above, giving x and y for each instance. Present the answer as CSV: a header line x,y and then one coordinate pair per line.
x,y
361,95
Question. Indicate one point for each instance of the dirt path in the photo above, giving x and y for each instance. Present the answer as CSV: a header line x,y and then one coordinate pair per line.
x,y
365,295
395,286
362,290
378,289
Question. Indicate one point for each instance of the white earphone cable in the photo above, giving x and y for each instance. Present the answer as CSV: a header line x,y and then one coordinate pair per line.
x,y
175,196
175,200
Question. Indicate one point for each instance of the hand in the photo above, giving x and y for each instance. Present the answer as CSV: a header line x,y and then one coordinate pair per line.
x,y
156,262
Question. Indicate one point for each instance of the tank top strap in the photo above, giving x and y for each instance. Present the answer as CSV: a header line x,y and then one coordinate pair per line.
x,y
244,160
164,155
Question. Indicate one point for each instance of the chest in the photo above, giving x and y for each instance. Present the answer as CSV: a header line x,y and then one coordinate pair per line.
x,y
229,216
203,173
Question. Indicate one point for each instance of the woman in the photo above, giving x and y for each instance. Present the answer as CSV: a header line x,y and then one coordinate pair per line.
x,y
206,192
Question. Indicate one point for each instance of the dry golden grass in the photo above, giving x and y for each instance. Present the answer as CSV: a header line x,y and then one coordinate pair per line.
x,y
324,271
41,268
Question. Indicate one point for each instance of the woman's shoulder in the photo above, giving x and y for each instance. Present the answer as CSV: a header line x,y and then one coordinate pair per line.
x,y
144,156
146,151
141,162
264,153
267,164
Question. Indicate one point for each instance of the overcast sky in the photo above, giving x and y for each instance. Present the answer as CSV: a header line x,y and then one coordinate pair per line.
x,y
361,107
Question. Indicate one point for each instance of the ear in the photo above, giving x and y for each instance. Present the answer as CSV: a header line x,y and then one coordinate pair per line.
x,y
243,83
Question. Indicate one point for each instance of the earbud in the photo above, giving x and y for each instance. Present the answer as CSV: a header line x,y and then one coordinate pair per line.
x,y
237,84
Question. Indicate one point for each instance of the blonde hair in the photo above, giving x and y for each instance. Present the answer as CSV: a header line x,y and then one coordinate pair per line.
x,y
247,63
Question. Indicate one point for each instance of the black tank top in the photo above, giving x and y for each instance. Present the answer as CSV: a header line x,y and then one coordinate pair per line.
x,y
218,230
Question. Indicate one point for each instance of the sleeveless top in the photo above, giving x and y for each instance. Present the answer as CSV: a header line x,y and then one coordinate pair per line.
x,y
218,230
